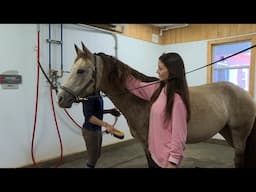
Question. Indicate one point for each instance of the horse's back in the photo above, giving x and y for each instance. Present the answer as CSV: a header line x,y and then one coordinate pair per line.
x,y
226,91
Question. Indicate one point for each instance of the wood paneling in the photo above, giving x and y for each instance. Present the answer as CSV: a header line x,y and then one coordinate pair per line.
x,y
197,32
140,31
252,68
193,32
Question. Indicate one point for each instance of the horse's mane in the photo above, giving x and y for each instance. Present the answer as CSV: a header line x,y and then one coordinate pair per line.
x,y
118,71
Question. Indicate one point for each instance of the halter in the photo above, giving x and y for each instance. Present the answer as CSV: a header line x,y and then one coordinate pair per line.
x,y
94,78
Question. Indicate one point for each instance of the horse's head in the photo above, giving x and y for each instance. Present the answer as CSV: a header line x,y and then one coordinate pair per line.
x,y
82,78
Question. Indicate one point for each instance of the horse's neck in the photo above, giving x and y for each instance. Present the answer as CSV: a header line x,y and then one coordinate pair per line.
x,y
120,98
135,110
124,101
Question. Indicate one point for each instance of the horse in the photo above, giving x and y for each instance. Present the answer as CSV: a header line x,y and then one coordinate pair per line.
x,y
221,107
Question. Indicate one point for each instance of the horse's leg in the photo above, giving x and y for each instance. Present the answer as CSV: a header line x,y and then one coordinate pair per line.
x,y
226,133
250,150
239,142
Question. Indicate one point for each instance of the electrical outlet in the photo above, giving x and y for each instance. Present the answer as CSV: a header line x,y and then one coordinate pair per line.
x,y
155,38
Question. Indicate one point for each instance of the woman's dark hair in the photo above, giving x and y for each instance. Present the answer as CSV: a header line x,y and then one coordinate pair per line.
x,y
176,83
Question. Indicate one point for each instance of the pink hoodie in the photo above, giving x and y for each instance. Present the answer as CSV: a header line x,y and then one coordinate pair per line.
x,y
166,140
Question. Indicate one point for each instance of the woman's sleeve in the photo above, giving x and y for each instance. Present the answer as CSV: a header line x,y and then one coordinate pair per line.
x,y
146,90
179,132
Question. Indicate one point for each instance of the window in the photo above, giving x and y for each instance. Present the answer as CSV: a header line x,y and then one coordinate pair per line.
x,y
234,69
237,69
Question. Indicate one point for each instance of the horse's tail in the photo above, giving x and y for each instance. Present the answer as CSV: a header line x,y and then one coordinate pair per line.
x,y
250,149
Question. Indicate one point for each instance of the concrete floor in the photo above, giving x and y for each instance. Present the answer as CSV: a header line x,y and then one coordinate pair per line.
x,y
129,154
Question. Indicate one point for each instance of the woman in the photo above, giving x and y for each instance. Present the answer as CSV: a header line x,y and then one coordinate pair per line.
x,y
169,112
93,110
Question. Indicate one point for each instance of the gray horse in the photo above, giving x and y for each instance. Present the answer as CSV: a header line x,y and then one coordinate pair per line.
x,y
215,108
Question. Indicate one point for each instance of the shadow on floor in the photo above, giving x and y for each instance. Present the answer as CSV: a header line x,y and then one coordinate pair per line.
x,y
129,154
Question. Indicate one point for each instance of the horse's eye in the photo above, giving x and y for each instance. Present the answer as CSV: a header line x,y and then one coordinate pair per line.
x,y
80,71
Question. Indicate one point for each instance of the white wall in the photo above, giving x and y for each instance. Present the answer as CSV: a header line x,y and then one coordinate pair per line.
x,y
194,55
18,52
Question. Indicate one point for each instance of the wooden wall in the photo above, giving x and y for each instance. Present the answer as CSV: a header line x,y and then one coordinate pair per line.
x,y
141,31
193,32
197,32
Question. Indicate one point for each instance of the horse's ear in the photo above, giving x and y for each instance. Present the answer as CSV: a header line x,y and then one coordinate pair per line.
x,y
86,51
78,51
